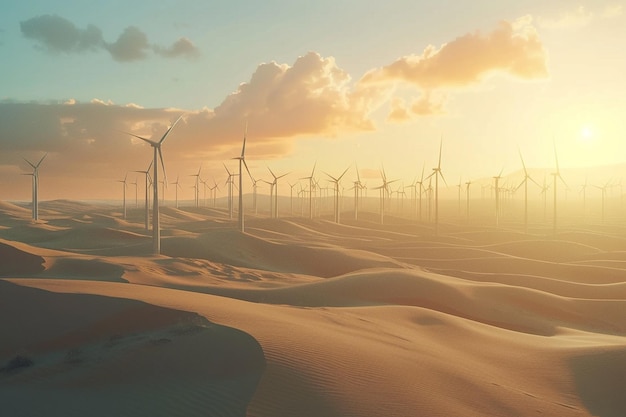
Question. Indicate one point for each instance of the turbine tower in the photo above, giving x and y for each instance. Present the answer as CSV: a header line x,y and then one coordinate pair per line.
x,y
156,228
35,175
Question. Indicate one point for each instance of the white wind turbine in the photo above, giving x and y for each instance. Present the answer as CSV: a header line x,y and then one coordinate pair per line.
x,y
437,173
147,214
556,175
336,182
275,183
197,187
124,185
176,185
358,187
525,182
467,197
497,191
311,188
384,189
156,228
603,189
242,161
230,183
136,192
35,175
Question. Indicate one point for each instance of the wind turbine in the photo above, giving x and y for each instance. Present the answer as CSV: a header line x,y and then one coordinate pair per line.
x,y
176,187
229,182
497,191
336,182
156,228
125,185
35,175
136,192
525,182
276,178
242,161
311,184
214,191
358,187
583,189
384,188
197,188
603,189
556,175
291,196
459,186
437,173
467,197
422,189
147,174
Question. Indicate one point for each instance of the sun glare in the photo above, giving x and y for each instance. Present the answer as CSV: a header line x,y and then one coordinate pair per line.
x,y
586,134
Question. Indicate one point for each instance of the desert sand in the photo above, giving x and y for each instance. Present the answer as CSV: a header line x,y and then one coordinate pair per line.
x,y
301,317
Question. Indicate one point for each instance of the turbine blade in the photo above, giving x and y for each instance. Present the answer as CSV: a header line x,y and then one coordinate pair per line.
x,y
30,163
163,166
41,160
248,171
443,178
170,129
440,146
344,173
243,149
272,172
523,164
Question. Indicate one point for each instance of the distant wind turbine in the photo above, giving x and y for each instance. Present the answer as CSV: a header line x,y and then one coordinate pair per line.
x,y
525,183
437,173
603,189
556,175
276,178
156,227
311,187
229,182
136,193
336,182
242,161
176,185
147,214
197,187
384,189
496,188
35,175
124,186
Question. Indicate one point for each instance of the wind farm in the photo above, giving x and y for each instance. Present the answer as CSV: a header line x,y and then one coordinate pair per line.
x,y
295,247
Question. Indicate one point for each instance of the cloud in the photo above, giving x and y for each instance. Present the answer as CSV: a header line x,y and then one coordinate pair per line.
x,y
130,46
182,47
512,48
56,34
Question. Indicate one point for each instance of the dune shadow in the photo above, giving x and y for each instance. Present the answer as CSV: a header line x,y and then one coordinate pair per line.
x,y
102,356
600,379
16,262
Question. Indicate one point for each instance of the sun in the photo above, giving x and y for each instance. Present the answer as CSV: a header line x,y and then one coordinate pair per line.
x,y
586,134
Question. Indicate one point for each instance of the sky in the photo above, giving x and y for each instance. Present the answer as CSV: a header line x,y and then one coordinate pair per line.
x,y
334,83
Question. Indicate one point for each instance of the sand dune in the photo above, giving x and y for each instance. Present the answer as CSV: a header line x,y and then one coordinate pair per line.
x,y
301,317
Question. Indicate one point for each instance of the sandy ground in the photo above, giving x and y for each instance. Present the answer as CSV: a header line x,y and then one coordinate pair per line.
x,y
301,317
